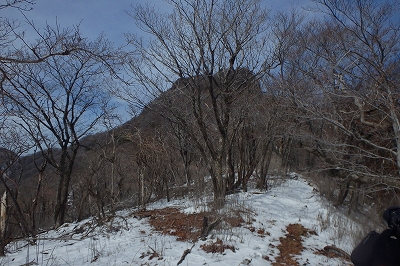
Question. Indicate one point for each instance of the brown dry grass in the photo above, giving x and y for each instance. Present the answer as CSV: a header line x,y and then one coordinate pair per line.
x,y
187,227
171,221
217,247
291,244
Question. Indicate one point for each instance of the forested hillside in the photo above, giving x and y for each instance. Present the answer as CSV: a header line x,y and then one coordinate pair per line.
x,y
226,90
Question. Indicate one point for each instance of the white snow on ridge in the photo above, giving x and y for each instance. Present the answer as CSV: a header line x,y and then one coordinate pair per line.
x,y
130,241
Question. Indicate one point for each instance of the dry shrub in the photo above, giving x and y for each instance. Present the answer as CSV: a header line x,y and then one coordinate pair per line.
x,y
333,252
186,227
234,218
262,232
151,254
217,247
251,228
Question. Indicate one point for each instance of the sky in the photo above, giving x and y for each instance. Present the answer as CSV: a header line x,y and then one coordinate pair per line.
x,y
105,16
108,17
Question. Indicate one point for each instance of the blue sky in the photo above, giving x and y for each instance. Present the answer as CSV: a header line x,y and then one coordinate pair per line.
x,y
104,16
94,16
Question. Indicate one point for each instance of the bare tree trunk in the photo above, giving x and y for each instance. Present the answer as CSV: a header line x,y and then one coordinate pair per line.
x,y
3,213
3,223
219,184
35,202
396,129
231,175
20,216
142,201
264,166
81,205
41,169
62,201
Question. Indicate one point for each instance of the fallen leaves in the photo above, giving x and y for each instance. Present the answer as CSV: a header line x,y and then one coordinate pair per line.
x,y
291,245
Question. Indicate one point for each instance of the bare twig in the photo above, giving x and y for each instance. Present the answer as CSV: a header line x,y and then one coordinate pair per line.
x,y
187,251
337,251
207,228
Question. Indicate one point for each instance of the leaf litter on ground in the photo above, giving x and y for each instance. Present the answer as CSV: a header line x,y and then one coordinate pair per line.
x,y
281,226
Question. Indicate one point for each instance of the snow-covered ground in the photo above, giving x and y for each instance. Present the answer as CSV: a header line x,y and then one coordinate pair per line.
x,y
130,240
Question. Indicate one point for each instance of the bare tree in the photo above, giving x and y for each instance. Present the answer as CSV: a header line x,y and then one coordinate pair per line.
x,y
19,4
58,101
342,79
13,144
216,50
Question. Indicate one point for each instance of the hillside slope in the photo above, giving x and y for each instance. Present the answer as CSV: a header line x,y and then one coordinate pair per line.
x,y
289,224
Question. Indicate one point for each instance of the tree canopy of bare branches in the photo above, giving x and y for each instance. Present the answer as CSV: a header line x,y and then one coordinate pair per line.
x,y
53,91
342,78
217,50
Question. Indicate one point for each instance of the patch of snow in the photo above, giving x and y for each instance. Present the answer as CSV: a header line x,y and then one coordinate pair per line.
x,y
129,240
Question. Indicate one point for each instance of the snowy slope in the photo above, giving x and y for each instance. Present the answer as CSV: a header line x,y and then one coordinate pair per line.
x,y
130,240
